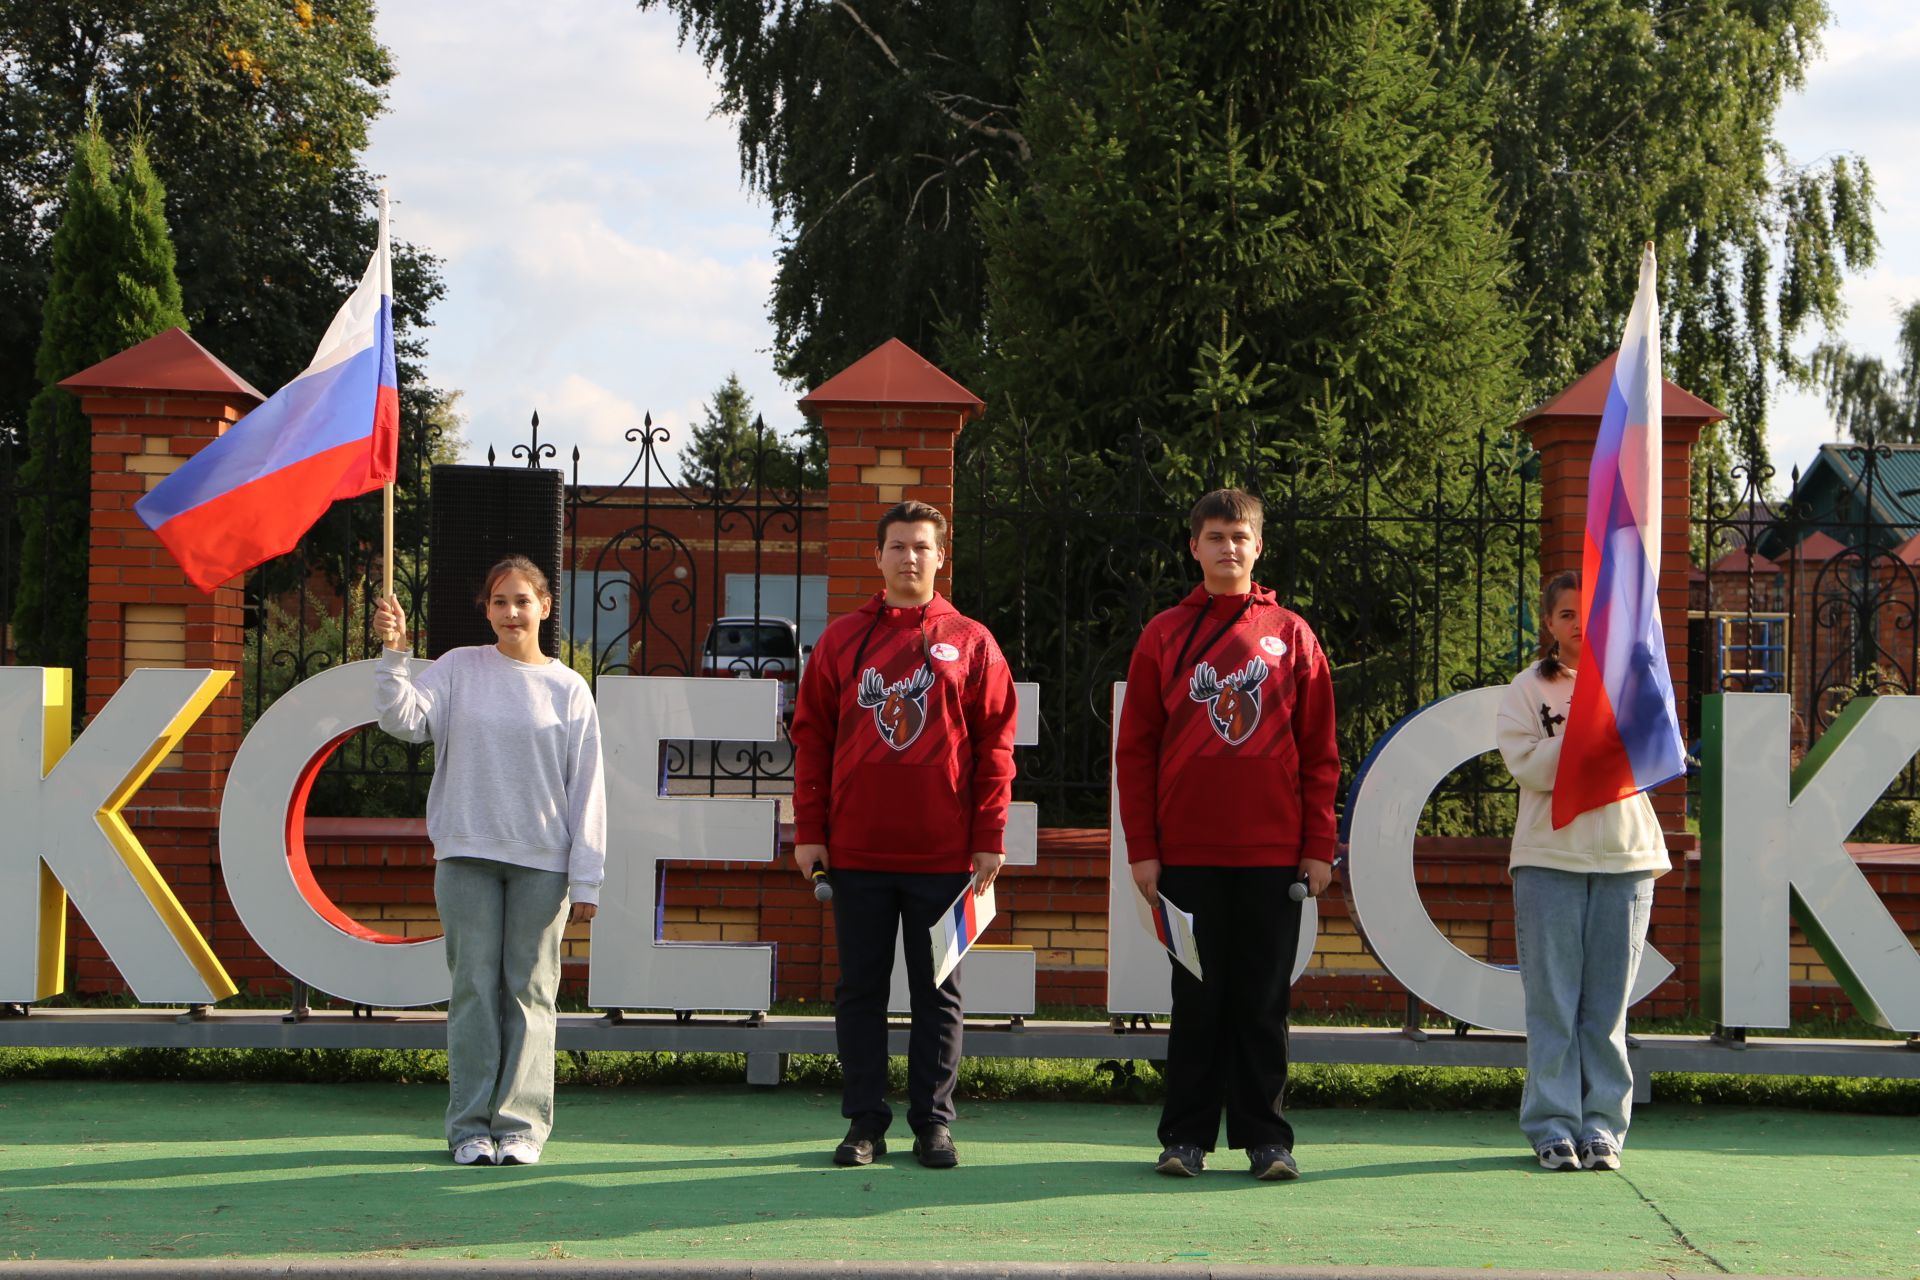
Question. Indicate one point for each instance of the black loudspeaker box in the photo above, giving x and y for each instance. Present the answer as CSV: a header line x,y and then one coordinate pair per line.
x,y
481,515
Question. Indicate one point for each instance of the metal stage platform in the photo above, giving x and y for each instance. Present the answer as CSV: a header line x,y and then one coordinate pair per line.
x,y
765,1041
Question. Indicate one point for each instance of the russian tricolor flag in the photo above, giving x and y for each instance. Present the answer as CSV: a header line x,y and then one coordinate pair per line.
x,y
1622,733
333,432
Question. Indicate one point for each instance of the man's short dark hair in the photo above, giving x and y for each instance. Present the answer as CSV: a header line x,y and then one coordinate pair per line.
x,y
1231,505
912,512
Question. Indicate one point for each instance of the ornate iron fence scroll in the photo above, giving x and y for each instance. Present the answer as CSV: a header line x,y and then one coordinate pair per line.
x,y
658,564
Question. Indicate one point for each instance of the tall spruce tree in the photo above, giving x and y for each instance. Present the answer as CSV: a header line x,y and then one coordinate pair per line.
x,y
1248,222
112,286
1268,238
719,452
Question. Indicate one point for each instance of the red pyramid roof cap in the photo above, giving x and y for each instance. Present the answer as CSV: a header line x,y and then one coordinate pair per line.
x,y
170,362
1587,398
1818,545
1740,560
893,373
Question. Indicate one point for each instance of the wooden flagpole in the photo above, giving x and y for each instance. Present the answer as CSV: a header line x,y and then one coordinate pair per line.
x,y
386,490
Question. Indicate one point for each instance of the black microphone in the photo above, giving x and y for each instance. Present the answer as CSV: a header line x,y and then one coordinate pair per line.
x,y
1297,891
822,887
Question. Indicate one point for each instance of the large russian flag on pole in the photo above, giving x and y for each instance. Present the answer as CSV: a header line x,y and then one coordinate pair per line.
x,y
1622,734
333,432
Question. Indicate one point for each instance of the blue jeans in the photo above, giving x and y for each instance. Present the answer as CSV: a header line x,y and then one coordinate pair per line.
x,y
1580,938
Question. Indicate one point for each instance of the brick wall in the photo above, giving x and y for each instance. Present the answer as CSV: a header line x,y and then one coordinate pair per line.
x,y
379,872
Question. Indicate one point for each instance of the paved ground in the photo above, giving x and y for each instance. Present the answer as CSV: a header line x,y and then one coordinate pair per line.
x,y
355,1174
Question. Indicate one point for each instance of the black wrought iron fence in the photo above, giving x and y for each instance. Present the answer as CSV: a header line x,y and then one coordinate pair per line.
x,y
723,577
1417,575
1814,593
653,566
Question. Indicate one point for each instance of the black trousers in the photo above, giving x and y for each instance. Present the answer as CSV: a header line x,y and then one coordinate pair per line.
x,y
1227,1047
869,908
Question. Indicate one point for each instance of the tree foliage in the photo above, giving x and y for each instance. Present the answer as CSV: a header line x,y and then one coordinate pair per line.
x,y
111,285
1246,225
732,450
1609,122
871,129
1613,122
719,451
1869,401
254,114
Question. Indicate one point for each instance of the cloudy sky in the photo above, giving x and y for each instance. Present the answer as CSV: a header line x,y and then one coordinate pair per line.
x,y
603,260
1857,99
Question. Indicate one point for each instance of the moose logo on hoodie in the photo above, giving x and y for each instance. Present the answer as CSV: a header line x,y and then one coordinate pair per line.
x,y
1233,704
899,709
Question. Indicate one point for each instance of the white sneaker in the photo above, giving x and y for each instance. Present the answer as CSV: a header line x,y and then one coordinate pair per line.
x,y
518,1149
1557,1155
1599,1154
476,1151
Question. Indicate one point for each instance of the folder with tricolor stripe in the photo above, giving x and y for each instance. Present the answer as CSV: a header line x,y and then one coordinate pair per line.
x,y
959,928
1173,927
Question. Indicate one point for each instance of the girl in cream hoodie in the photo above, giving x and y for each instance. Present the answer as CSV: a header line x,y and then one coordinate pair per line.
x,y
1581,899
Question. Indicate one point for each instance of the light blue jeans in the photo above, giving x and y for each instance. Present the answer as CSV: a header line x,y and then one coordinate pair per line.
x,y
1580,938
503,925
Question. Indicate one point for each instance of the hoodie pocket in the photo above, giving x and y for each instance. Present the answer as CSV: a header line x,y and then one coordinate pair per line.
x,y
902,808
1234,801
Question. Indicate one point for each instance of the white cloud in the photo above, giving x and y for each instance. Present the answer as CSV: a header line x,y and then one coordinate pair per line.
x,y
1855,102
601,256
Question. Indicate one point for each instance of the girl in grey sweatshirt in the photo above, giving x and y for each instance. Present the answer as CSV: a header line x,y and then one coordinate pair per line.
x,y
517,816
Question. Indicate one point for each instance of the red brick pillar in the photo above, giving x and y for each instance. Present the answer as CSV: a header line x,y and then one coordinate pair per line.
x,y
890,420
1564,430
152,407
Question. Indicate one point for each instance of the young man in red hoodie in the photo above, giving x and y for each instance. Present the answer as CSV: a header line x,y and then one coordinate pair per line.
x,y
903,769
1227,767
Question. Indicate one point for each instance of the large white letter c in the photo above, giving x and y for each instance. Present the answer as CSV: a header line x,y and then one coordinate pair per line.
x,y
263,852
1383,812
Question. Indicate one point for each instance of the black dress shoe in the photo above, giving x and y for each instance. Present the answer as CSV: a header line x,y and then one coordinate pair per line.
x,y
933,1147
859,1147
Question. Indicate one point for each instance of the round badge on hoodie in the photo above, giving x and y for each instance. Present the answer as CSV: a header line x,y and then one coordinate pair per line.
x,y
1273,645
945,652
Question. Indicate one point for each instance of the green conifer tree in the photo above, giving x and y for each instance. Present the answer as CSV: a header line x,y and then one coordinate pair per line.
x,y
719,451
112,286
1268,237
1248,221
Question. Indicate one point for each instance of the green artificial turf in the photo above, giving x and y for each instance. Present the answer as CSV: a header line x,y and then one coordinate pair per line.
x,y
92,1169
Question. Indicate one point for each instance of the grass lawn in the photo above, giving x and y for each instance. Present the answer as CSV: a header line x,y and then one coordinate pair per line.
x,y
91,1169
